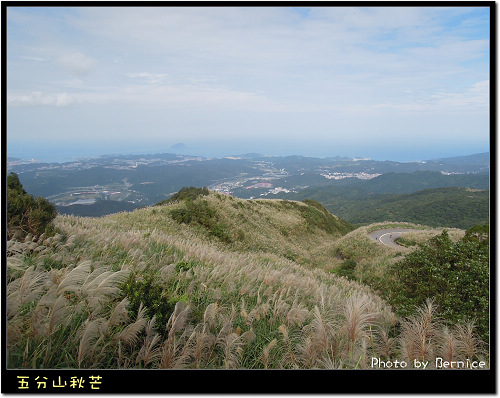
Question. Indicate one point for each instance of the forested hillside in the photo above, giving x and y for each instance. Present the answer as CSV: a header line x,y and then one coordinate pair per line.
x,y
447,207
419,180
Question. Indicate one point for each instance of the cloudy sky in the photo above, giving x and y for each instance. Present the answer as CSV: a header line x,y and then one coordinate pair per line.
x,y
403,83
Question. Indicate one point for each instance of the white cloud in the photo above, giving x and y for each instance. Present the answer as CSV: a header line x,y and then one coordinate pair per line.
x,y
271,64
475,97
76,63
37,98
73,83
155,97
472,99
33,58
148,77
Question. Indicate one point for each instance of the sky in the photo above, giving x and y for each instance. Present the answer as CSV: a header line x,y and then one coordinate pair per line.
x,y
395,83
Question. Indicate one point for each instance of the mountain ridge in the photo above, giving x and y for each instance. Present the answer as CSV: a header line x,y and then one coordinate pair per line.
x,y
292,229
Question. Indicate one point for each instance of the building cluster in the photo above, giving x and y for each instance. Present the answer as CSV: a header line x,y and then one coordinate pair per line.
x,y
361,175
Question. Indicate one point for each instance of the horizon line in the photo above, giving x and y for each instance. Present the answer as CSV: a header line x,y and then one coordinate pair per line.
x,y
230,155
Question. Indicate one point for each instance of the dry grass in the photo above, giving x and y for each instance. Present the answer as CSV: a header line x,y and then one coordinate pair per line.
x,y
240,306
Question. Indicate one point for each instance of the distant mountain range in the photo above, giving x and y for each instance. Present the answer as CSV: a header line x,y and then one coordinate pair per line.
x,y
422,197
347,187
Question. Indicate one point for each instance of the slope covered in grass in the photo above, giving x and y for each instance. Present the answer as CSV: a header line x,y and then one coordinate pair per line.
x,y
299,231
214,282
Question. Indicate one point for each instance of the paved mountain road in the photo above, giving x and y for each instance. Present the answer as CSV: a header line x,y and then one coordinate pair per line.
x,y
387,236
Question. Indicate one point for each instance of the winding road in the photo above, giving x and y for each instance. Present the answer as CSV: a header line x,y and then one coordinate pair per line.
x,y
388,236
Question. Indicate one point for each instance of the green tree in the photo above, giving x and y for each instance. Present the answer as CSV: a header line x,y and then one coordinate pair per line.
x,y
456,275
26,214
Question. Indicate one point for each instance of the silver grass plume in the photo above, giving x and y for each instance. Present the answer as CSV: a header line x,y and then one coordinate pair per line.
x,y
358,356
210,314
266,352
58,312
321,330
232,346
130,335
327,362
107,283
174,352
200,342
358,317
468,344
90,337
76,277
243,311
15,267
25,289
288,358
297,315
385,346
179,318
448,345
307,353
254,315
248,336
104,287
419,334
119,314
148,352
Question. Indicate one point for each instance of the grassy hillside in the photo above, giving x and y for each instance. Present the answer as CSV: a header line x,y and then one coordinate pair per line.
x,y
298,231
208,282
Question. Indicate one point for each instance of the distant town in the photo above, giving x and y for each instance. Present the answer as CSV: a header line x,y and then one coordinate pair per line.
x,y
143,180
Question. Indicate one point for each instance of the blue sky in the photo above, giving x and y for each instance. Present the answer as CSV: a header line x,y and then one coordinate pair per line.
x,y
399,83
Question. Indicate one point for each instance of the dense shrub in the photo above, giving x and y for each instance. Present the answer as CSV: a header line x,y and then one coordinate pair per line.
x,y
26,214
478,234
199,212
147,291
186,193
455,275
347,269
